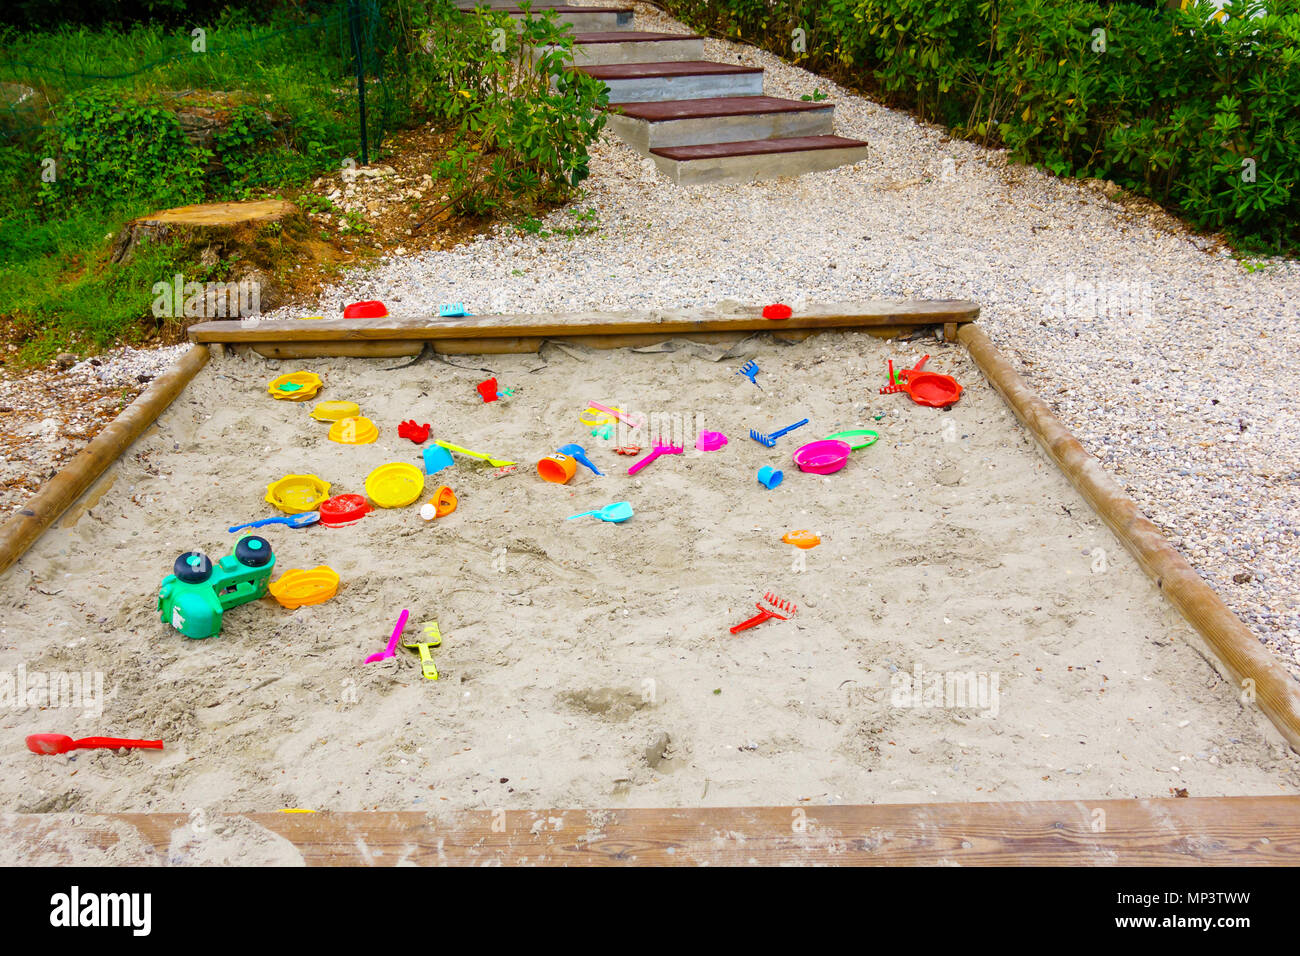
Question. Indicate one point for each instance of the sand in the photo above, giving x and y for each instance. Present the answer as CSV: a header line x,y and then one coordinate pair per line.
x,y
587,664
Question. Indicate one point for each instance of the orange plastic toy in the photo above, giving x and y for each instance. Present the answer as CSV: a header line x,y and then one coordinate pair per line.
x,y
298,588
440,505
557,468
801,539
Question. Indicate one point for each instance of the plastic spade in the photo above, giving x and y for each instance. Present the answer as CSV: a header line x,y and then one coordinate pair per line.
x,y
391,649
579,454
293,521
618,512
61,744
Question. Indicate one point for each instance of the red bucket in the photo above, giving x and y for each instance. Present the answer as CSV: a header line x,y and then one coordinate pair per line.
x,y
365,310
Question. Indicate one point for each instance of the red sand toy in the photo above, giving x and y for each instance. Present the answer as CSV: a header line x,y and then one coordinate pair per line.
x,y
488,390
777,311
417,433
371,309
764,614
61,744
924,388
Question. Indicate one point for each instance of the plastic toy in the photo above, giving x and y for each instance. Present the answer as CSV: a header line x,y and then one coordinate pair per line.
x,y
925,388
579,454
557,468
370,309
603,432
298,588
417,433
765,614
391,649
333,411
432,638
293,521
655,452
628,450
343,509
770,440
452,310
615,414
494,462
801,539
872,437
295,387
750,370
195,596
823,457
777,311
440,505
394,485
710,441
61,743
353,431
488,390
294,494
616,513
505,470
769,477
436,458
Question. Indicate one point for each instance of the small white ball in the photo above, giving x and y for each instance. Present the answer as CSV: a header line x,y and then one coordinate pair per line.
x,y
427,512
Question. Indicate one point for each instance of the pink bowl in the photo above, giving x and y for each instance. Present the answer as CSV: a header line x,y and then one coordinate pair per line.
x,y
822,457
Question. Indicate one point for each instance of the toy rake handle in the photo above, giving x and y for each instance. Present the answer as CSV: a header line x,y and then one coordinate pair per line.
x,y
119,742
762,615
645,461
789,428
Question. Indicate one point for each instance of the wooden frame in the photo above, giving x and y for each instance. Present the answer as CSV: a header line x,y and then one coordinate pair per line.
x,y
1204,831
1201,831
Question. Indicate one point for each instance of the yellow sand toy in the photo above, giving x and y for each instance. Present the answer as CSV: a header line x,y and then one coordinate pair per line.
x,y
395,485
354,431
295,387
432,638
294,494
494,462
333,411
298,588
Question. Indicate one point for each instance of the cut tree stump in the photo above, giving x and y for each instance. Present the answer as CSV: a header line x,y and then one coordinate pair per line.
x,y
221,224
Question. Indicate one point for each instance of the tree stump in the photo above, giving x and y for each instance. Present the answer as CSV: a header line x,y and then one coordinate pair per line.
x,y
218,226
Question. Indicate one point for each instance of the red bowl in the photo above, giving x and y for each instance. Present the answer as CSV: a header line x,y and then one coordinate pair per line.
x,y
777,311
365,310
343,509
933,389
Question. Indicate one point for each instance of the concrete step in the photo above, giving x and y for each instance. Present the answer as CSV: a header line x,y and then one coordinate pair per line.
x,y
589,19
756,159
680,80
634,46
647,126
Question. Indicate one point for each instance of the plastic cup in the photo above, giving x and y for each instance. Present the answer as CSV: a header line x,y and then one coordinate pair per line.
x,y
436,458
769,477
557,468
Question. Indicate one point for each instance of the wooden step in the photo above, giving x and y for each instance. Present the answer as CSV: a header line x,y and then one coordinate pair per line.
x,y
634,46
679,80
647,126
586,19
756,159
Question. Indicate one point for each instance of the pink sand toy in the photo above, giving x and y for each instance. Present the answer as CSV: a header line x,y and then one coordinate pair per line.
x,y
710,441
655,452
822,457
391,649
631,420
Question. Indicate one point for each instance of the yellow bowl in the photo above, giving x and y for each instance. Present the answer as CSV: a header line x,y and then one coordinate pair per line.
x,y
395,485
308,384
298,588
333,411
353,431
294,494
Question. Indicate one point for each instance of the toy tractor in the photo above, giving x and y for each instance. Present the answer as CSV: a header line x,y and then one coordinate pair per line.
x,y
194,597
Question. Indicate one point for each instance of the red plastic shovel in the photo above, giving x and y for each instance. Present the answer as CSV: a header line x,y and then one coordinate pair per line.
x,y
61,743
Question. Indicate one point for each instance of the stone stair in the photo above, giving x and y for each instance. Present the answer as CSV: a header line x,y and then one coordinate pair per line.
x,y
700,121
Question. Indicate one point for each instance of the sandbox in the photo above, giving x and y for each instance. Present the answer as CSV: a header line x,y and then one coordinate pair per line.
x,y
967,630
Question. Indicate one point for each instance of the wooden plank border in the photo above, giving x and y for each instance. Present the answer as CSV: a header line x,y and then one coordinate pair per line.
x,y
1198,831
1259,674
524,332
54,497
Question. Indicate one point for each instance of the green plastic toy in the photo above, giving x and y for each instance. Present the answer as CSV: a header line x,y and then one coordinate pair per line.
x,y
194,597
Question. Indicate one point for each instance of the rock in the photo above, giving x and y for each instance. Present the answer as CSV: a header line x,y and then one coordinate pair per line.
x,y
65,360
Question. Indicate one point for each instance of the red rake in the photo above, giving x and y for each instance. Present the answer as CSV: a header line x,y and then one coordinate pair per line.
x,y
898,383
763,613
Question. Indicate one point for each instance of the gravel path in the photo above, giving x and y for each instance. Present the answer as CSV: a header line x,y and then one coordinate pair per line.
x,y
1161,352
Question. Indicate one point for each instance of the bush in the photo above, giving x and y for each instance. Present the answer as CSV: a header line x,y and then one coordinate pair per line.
x,y
1198,111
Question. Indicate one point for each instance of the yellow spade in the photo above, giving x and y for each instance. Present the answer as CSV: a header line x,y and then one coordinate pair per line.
x,y
432,638
494,462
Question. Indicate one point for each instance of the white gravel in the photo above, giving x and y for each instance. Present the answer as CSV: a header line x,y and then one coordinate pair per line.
x,y
1178,376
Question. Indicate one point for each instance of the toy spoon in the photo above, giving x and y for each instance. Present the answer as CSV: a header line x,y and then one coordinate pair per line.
x,y
293,521
391,649
61,743
618,512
